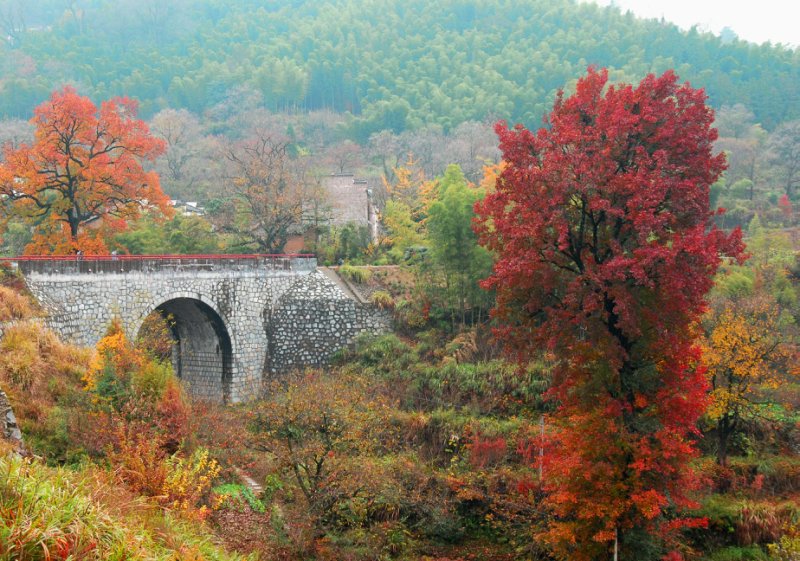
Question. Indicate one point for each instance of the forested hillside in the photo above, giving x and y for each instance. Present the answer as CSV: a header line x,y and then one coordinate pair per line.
x,y
393,65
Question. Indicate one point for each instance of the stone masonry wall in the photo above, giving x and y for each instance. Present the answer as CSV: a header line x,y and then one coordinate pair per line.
x,y
9,430
314,320
370,319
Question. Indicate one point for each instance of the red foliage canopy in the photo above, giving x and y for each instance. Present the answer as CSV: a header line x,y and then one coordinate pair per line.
x,y
601,224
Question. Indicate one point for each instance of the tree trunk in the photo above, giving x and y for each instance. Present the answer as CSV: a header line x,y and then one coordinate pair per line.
x,y
74,225
724,430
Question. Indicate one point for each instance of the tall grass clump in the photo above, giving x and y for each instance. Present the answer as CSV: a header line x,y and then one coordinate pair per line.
x,y
46,514
13,305
57,514
31,355
358,275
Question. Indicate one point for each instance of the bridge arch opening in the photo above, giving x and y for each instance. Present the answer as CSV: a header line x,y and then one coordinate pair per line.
x,y
199,346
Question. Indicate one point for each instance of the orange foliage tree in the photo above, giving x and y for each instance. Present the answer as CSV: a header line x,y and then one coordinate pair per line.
x,y
84,164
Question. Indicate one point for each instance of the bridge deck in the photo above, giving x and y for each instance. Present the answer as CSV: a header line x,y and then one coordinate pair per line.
x,y
93,264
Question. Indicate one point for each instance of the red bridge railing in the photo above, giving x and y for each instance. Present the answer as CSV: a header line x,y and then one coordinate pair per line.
x,y
66,264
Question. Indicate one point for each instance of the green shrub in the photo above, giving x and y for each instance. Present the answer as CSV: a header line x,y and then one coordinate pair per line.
x,y
51,437
722,513
239,498
382,300
151,380
443,527
735,553
741,189
493,387
358,275
735,284
272,484
383,353
411,315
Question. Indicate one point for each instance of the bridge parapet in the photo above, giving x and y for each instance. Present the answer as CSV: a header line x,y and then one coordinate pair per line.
x,y
122,264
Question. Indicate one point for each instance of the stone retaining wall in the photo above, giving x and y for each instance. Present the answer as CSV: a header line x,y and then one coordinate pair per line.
x,y
314,320
9,430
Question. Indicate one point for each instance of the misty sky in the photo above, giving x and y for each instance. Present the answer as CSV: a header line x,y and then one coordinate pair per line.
x,y
756,21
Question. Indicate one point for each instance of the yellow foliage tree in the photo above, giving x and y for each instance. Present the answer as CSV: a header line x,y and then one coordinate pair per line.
x,y
411,197
402,232
745,354
491,173
113,354
403,217
409,179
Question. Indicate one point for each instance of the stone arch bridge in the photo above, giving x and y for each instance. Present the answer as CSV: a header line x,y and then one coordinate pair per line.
x,y
238,320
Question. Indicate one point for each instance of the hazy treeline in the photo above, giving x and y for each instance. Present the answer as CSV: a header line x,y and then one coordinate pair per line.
x,y
390,65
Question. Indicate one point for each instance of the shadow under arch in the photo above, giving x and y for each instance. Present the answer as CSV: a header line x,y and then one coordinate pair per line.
x,y
202,352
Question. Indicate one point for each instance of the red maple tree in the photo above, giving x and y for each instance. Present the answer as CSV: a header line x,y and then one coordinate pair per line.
x,y
84,164
601,224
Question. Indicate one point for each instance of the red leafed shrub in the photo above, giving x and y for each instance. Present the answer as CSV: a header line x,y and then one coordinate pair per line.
x,y
174,416
486,452
137,456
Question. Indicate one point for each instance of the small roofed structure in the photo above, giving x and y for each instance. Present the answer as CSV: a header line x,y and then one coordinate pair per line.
x,y
187,208
349,198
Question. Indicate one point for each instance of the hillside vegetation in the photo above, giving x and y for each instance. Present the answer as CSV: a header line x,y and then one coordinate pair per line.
x,y
57,513
393,65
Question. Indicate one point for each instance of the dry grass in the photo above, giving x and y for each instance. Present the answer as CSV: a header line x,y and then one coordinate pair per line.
x,y
31,356
14,306
41,375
